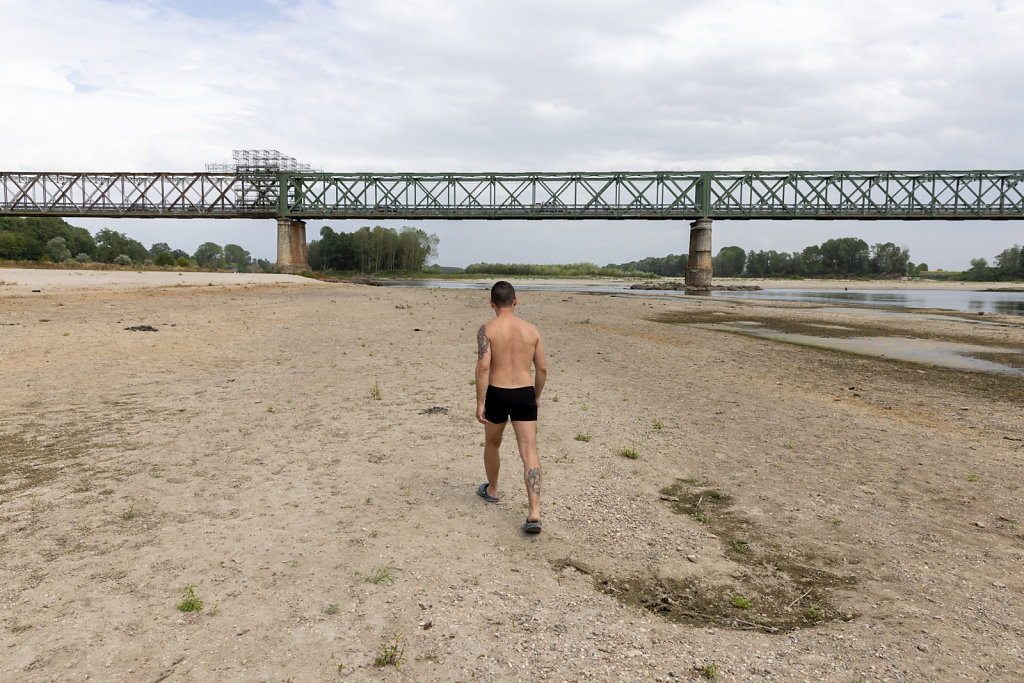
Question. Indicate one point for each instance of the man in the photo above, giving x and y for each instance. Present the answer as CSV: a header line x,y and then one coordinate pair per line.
x,y
506,348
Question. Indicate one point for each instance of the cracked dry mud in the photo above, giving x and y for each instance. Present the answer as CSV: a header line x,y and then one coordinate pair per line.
x,y
868,510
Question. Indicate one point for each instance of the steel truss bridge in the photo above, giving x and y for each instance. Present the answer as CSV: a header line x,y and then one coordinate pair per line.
x,y
300,196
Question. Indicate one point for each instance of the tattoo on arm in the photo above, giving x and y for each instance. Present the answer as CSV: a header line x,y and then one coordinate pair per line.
x,y
533,478
482,343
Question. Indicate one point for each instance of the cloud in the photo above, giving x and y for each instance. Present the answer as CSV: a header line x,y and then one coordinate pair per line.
x,y
460,85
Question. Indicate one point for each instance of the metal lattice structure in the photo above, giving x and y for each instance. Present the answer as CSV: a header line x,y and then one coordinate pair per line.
x,y
266,184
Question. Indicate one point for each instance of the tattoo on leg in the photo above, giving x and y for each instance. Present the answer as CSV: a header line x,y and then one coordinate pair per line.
x,y
481,342
533,478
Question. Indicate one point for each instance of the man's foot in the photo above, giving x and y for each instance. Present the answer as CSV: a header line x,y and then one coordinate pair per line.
x,y
531,527
482,492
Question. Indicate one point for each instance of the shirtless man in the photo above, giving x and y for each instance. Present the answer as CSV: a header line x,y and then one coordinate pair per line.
x,y
506,348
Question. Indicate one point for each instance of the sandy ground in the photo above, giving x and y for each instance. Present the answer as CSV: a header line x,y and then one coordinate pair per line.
x,y
868,510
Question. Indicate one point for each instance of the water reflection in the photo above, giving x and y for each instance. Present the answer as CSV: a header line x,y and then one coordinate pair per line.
x,y
1008,303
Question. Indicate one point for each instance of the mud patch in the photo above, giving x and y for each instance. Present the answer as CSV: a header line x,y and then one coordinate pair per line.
x,y
774,590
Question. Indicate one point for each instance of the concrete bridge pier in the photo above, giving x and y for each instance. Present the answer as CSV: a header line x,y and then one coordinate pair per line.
x,y
698,266
291,246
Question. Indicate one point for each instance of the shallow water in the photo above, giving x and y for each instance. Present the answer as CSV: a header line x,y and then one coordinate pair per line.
x,y
928,351
1007,303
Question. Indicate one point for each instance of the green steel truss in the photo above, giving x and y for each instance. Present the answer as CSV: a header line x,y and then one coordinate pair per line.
x,y
871,195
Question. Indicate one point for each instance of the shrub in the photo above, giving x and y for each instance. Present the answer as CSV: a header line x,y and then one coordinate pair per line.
x,y
182,262
83,258
122,260
164,258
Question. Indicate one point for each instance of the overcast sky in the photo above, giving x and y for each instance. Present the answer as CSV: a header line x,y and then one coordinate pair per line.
x,y
530,85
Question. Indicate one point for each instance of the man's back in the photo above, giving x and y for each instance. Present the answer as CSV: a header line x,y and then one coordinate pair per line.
x,y
513,346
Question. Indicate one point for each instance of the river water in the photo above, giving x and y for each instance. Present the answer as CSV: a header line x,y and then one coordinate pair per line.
x,y
1007,303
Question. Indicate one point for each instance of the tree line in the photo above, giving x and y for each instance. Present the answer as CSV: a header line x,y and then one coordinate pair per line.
x,y
845,256
1009,265
370,250
53,240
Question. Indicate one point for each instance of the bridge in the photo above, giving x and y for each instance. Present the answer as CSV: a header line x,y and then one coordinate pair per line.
x,y
292,194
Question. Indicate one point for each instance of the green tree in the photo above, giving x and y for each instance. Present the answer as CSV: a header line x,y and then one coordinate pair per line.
x,y
888,258
236,256
159,248
111,244
58,250
164,258
208,255
729,262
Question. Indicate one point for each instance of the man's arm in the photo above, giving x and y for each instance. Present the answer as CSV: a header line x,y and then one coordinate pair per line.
x,y
540,369
483,370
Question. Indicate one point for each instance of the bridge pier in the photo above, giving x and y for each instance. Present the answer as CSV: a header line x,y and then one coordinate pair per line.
x,y
698,265
291,246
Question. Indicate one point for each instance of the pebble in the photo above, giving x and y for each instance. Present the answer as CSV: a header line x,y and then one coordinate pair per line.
x,y
980,525
691,558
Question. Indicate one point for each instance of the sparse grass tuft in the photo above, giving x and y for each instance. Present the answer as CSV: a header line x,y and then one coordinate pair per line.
x,y
740,601
658,425
972,476
390,652
815,613
837,520
375,391
582,437
189,601
710,671
129,513
630,453
332,608
383,573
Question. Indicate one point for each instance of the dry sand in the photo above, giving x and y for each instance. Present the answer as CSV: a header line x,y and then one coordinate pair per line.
x,y
869,510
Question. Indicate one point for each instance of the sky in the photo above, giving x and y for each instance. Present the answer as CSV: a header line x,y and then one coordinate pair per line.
x,y
530,85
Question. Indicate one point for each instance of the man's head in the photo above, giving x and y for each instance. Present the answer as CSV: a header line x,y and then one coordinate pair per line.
x,y
503,294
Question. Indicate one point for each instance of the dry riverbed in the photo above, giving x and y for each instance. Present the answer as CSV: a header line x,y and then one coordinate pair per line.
x,y
303,456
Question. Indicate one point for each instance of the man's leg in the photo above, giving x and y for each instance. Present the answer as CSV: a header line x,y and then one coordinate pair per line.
x,y
492,460
526,437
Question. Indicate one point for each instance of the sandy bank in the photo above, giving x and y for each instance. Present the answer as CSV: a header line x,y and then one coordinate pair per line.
x,y
24,280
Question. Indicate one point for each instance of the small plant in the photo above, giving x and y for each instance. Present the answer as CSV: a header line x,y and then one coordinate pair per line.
x,y
554,399
34,503
741,547
472,382
129,513
815,613
381,574
390,652
332,608
710,671
270,409
585,406
972,476
628,453
375,391
214,610
703,519
837,520
582,437
189,601
658,425
740,601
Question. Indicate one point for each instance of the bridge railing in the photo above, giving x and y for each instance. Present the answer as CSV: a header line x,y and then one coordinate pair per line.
x,y
741,195
139,195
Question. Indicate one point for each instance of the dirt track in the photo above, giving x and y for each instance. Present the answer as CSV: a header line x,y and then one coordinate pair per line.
x,y
868,510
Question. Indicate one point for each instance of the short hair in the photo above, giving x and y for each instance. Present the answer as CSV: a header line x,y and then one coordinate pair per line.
x,y
503,294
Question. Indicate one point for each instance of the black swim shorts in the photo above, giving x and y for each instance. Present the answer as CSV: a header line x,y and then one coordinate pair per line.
x,y
519,404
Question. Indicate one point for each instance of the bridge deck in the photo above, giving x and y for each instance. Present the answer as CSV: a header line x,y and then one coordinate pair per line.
x,y
743,195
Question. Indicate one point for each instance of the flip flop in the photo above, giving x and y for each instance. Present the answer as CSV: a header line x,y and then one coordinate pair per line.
x,y
531,527
482,492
